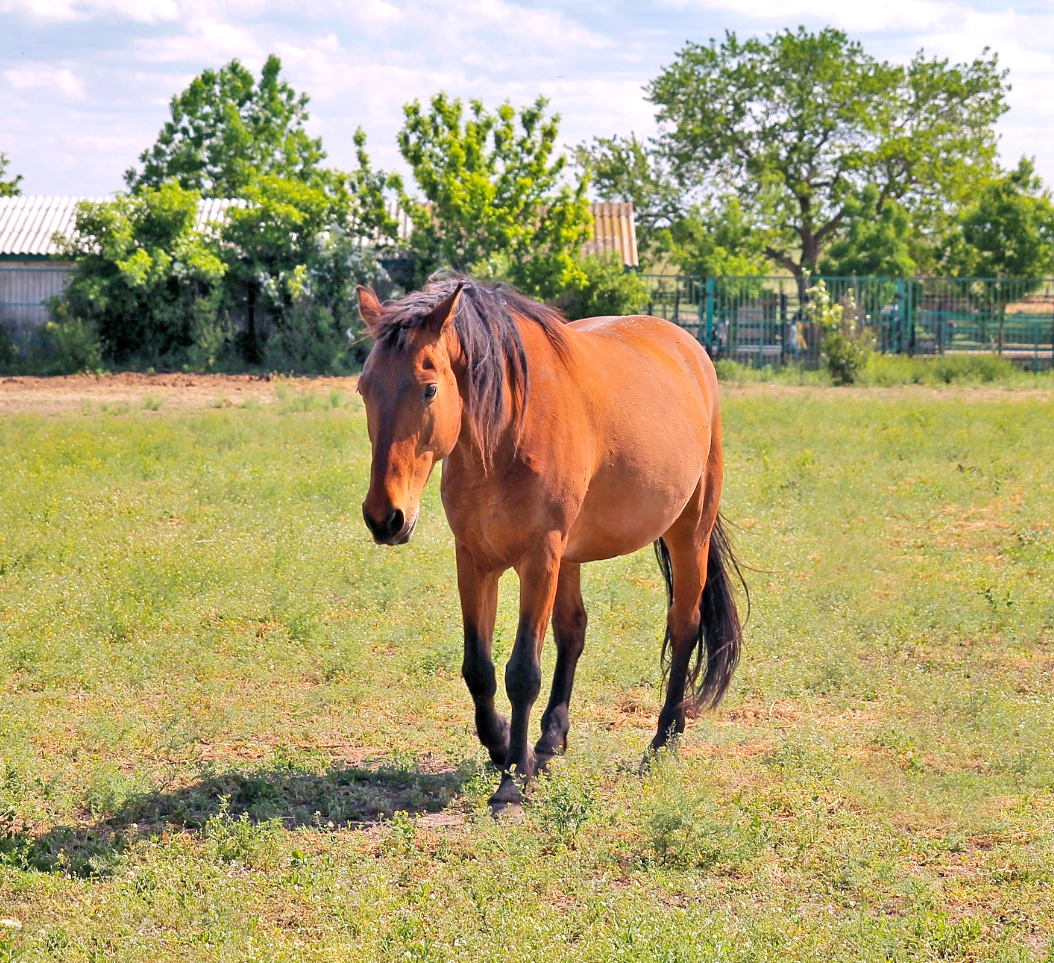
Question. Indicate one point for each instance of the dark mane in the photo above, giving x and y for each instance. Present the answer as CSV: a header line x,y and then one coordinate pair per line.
x,y
490,342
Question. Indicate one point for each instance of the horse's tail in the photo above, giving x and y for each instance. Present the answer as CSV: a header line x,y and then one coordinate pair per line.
x,y
720,631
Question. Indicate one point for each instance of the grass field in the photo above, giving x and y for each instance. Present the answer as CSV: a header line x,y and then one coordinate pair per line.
x,y
233,729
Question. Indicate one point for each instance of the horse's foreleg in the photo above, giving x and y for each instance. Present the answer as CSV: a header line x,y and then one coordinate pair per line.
x,y
569,631
523,675
479,599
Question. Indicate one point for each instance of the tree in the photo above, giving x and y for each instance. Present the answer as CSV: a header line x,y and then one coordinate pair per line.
x,y
797,127
873,242
8,188
146,280
1008,230
294,254
495,202
627,169
227,129
718,239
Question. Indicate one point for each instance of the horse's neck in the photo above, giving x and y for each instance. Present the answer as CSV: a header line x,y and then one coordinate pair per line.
x,y
468,456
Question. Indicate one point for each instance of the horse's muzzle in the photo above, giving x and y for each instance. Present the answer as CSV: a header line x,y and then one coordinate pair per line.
x,y
393,529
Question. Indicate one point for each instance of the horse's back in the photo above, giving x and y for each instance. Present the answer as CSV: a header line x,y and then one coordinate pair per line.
x,y
640,340
649,357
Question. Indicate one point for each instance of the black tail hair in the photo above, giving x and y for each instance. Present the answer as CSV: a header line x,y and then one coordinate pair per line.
x,y
720,632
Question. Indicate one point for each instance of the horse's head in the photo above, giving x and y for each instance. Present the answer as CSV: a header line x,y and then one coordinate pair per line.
x,y
413,411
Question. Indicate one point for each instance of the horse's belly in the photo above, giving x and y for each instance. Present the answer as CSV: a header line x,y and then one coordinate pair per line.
x,y
620,515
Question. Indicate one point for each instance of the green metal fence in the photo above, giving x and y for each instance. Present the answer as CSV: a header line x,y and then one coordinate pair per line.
x,y
763,320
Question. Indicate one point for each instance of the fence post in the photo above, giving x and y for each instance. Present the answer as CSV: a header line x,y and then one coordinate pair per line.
x,y
708,309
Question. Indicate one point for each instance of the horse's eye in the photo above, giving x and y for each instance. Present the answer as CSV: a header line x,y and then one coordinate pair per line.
x,y
430,392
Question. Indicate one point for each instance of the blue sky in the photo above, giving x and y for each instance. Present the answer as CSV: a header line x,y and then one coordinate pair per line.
x,y
85,84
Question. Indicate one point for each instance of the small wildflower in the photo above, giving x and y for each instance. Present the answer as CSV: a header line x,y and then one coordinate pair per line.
x,y
11,924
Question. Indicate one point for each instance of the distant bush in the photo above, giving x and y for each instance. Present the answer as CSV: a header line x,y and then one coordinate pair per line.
x,y
145,280
608,290
790,373
845,340
63,346
70,345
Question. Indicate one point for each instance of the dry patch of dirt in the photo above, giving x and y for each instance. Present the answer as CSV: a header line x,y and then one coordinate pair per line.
x,y
153,394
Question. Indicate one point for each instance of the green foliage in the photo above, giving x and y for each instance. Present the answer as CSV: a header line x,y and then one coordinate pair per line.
x,y
145,279
875,240
495,202
845,338
608,289
8,188
283,262
887,370
798,127
293,246
628,169
1007,230
719,239
944,370
227,129
70,344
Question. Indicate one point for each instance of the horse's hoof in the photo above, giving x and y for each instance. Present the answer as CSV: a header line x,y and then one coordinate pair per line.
x,y
507,794
542,760
507,812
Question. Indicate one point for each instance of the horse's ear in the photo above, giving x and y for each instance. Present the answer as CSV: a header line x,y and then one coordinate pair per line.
x,y
443,313
370,309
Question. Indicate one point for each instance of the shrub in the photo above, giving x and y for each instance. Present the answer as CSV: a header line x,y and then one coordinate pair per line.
x,y
608,290
845,340
70,345
146,281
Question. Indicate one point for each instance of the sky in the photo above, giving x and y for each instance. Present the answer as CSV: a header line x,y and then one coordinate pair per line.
x,y
85,84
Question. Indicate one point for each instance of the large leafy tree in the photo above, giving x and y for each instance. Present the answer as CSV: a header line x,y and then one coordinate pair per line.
x,y
1008,228
227,129
495,197
8,187
293,252
297,241
800,126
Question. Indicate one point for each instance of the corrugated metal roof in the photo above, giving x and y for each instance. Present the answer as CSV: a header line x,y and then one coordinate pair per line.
x,y
29,223
613,230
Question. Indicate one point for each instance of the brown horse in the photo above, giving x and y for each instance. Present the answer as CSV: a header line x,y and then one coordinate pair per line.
x,y
564,443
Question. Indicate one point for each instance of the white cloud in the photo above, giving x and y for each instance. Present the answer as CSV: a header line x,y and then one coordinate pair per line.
x,y
361,61
54,79
140,11
206,41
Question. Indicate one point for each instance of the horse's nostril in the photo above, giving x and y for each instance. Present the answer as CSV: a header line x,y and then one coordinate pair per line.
x,y
393,522
388,528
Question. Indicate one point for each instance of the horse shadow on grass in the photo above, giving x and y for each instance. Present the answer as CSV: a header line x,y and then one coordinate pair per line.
x,y
358,796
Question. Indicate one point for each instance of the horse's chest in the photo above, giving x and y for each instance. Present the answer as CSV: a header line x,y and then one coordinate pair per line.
x,y
503,518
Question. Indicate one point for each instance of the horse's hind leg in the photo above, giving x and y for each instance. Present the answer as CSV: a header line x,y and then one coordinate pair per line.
x,y
569,631
479,600
688,558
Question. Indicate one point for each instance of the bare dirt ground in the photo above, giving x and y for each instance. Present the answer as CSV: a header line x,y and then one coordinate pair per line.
x,y
167,393
152,392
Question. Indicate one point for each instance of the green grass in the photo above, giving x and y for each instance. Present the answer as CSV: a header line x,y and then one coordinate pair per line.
x,y
886,370
234,729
